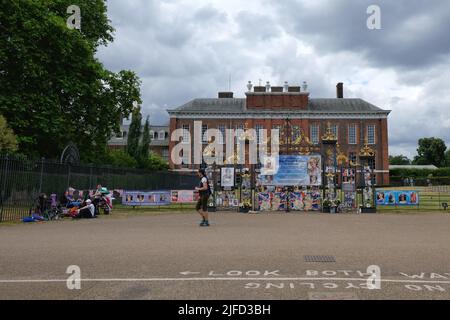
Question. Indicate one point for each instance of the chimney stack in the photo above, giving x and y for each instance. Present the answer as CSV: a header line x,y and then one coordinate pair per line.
x,y
340,90
225,95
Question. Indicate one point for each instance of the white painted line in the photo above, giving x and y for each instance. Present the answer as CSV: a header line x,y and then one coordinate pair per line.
x,y
220,279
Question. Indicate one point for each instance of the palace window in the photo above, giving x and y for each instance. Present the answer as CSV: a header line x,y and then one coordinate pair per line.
x,y
240,128
165,154
277,127
185,159
315,133
352,157
335,130
352,134
186,134
259,133
204,133
222,129
372,163
371,134
295,132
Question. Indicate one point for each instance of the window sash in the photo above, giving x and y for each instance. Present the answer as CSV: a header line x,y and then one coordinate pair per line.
x,y
335,130
371,134
352,134
222,130
204,135
258,129
315,133
186,133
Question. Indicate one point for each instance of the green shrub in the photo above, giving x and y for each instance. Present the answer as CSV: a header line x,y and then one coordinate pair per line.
x,y
120,158
420,173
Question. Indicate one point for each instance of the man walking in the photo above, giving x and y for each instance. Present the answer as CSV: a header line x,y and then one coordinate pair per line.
x,y
204,193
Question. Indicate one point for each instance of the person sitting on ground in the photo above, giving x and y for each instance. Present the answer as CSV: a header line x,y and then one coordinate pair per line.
x,y
88,211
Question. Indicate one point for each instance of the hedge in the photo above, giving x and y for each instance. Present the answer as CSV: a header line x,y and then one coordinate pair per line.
x,y
420,173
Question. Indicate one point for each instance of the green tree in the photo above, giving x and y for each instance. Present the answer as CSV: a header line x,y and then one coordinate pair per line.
x,y
447,158
431,151
120,158
8,140
49,73
156,163
399,160
134,134
146,140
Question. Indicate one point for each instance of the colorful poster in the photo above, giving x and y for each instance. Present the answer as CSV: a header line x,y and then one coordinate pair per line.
x,y
296,171
227,177
299,200
183,196
296,201
397,197
140,198
264,201
279,201
226,199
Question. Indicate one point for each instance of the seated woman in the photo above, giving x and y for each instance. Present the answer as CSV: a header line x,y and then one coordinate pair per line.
x,y
87,212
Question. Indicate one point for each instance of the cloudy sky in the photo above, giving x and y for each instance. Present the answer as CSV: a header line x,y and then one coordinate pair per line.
x,y
185,49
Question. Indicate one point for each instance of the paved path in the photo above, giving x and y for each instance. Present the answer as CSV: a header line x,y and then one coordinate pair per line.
x,y
239,257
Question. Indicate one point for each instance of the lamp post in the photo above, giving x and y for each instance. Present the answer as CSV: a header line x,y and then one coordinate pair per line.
x,y
367,154
245,138
329,143
211,153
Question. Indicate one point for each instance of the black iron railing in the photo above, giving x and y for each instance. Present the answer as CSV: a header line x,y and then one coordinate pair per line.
x,y
22,180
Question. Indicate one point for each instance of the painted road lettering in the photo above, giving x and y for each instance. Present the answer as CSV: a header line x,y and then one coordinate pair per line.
x,y
424,275
250,273
308,285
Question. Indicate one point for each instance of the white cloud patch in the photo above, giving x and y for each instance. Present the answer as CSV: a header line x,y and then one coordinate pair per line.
x,y
184,49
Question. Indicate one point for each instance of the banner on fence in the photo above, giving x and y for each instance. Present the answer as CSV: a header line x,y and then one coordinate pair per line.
x,y
295,171
153,198
397,198
184,196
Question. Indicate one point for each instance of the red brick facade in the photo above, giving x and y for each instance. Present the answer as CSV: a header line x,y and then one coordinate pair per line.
x,y
287,102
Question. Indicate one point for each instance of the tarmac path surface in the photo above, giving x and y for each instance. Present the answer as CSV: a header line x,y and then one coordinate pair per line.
x,y
240,256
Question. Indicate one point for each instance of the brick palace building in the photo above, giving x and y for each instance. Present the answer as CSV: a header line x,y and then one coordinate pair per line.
x,y
353,121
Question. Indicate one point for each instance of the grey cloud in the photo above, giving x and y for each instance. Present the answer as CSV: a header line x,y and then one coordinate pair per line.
x,y
414,32
190,50
256,27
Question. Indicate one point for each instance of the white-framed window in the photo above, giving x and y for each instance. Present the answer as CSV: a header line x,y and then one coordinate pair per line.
x,y
162,135
371,134
204,133
185,159
152,134
240,128
352,157
352,134
165,154
335,130
277,127
314,133
259,132
222,128
372,164
295,132
186,134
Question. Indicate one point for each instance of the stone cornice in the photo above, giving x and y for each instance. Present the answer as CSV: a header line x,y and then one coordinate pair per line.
x,y
281,115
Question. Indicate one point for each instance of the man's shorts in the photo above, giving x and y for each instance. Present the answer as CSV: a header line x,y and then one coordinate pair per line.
x,y
202,203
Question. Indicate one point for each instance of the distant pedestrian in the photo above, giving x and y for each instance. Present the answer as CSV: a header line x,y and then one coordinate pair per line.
x,y
204,193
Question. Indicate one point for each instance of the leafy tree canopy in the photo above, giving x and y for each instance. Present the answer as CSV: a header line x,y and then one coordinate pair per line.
x,y
52,88
431,151
399,160
8,140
